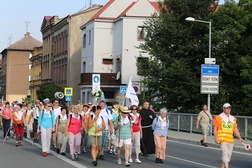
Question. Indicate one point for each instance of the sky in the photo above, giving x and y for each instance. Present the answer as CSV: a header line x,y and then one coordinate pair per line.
x,y
14,15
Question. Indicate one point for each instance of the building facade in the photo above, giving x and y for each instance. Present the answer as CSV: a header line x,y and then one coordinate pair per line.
x,y
110,41
62,49
36,73
16,68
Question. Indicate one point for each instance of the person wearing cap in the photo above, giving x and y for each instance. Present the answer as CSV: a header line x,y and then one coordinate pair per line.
x,y
205,120
124,135
224,127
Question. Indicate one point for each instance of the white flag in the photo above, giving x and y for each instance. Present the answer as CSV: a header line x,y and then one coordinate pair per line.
x,y
131,94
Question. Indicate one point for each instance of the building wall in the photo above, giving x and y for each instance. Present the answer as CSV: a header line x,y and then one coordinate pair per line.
x,y
36,74
18,71
129,57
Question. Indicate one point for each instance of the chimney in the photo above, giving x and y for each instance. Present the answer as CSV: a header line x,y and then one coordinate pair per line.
x,y
27,34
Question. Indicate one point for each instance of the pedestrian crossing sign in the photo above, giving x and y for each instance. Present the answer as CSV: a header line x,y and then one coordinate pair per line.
x,y
68,98
123,89
68,91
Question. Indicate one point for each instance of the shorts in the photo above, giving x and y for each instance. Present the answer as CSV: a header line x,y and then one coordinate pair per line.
x,y
205,130
92,140
112,138
123,142
226,151
104,138
35,125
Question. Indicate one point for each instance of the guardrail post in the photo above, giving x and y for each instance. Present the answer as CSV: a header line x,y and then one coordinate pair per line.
x,y
246,129
191,123
178,122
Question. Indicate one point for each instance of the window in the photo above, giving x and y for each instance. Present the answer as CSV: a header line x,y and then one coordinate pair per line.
x,y
107,61
84,67
141,33
109,94
84,41
89,37
140,60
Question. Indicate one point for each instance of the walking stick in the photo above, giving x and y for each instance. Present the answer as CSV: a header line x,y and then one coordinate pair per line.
x,y
6,136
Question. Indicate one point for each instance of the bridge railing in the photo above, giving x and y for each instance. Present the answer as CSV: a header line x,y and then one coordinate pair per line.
x,y
187,122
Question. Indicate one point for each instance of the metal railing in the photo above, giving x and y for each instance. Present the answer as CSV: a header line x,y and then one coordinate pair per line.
x,y
187,122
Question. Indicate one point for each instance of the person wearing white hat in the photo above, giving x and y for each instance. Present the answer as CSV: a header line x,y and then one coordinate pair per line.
x,y
124,135
224,127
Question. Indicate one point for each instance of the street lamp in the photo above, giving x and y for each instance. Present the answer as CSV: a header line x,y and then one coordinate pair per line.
x,y
191,19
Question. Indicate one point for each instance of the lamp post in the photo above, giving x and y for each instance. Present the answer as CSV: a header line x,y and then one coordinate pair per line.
x,y
191,19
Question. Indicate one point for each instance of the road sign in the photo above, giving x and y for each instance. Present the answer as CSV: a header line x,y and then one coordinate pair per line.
x,y
68,98
210,79
123,89
96,82
209,89
68,91
210,69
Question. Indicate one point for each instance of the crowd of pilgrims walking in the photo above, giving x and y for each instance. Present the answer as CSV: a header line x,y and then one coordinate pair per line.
x,y
85,125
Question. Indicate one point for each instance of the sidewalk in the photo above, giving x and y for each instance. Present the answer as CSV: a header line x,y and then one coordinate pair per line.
x,y
195,138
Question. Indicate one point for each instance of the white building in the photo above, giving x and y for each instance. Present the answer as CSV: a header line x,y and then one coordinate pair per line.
x,y
109,40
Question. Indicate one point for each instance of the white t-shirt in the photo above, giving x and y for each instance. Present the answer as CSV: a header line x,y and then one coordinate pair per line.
x,y
106,116
57,111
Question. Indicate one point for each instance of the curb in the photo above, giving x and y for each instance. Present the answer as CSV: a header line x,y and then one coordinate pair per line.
x,y
238,148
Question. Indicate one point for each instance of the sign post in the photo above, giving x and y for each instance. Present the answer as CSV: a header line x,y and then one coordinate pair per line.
x,y
209,80
96,82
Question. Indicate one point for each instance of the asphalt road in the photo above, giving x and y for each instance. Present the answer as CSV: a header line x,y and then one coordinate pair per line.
x,y
178,155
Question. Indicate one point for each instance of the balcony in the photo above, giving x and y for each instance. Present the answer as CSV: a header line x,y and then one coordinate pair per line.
x,y
36,77
106,79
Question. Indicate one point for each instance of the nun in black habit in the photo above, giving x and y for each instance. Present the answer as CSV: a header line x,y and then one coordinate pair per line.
x,y
147,143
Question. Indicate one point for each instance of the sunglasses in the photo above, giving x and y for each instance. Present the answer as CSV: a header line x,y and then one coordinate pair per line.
x,y
49,106
90,104
134,109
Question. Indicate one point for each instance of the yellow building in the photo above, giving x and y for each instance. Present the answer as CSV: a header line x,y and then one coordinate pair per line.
x,y
36,74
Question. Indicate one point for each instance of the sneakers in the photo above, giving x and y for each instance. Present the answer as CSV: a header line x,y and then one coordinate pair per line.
x,y
127,164
111,151
161,161
157,160
119,161
138,161
114,152
73,157
130,161
76,156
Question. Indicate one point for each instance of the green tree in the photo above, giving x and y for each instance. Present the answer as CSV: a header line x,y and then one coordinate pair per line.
x,y
232,49
177,50
48,91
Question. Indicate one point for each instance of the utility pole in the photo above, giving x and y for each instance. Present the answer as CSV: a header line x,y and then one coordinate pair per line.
x,y
90,3
10,39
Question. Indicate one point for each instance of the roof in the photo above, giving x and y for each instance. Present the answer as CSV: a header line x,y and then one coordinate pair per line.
x,y
26,43
98,15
